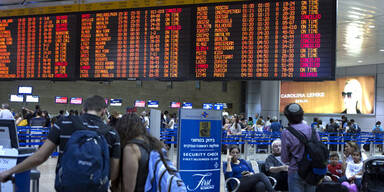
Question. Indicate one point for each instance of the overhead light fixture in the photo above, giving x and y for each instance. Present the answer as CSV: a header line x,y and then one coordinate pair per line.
x,y
382,50
371,26
359,61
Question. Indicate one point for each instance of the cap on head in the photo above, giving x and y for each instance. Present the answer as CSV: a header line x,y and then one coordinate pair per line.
x,y
294,113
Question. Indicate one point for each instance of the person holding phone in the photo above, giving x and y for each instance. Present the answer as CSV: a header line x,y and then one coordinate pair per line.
x,y
239,168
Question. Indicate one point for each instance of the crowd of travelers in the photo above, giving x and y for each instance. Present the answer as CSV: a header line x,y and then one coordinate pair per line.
x,y
128,165
344,170
127,161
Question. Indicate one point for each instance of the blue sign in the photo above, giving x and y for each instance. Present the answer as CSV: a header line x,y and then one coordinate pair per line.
x,y
218,106
153,103
187,105
208,106
199,154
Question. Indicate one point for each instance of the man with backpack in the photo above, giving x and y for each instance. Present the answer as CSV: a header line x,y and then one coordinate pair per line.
x,y
89,151
302,151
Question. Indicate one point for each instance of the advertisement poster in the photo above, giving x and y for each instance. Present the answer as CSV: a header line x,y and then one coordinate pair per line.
x,y
199,155
349,95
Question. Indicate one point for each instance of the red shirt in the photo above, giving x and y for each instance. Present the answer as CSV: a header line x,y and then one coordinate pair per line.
x,y
335,170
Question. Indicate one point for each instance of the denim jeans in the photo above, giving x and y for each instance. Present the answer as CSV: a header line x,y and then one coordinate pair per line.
x,y
297,184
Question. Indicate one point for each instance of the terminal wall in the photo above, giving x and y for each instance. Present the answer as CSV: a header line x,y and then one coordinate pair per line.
x,y
189,91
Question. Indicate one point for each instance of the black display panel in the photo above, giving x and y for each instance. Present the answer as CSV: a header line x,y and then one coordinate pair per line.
x,y
134,44
38,47
288,40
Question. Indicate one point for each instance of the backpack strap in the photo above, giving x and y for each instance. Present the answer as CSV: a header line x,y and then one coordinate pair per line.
x,y
140,143
298,134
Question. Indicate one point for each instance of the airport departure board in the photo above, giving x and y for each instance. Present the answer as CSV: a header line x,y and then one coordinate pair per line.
x,y
37,47
136,44
293,40
262,40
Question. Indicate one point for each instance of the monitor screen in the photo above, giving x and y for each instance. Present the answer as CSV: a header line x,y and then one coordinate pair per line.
x,y
32,99
218,106
16,98
24,90
116,102
76,100
187,105
8,134
139,103
61,100
153,103
208,106
175,105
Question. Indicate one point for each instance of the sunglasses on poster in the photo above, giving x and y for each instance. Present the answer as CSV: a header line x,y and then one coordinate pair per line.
x,y
348,94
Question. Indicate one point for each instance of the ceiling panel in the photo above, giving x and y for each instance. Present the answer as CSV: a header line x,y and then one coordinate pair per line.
x,y
360,32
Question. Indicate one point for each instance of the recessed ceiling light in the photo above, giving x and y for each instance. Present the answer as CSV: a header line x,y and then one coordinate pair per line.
x,y
382,50
359,61
371,26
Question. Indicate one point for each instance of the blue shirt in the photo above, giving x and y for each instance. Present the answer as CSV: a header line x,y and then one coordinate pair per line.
x,y
379,127
275,126
237,169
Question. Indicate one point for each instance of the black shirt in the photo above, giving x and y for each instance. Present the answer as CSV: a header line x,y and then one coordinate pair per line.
x,y
64,127
37,121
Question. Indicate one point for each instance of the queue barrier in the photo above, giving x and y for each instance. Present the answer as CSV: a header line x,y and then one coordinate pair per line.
x,y
32,136
35,136
256,140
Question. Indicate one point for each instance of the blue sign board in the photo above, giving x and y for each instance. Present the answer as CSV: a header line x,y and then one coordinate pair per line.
x,y
218,106
187,105
153,103
199,153
208,106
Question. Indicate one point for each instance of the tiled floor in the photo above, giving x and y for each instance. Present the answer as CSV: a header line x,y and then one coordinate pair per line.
x,y
47,177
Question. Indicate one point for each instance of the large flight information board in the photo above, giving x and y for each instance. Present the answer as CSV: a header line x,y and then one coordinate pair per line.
x,y
37,47
136,44
292,40
263,40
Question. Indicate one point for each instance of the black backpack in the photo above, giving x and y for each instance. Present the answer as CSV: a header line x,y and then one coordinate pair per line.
x,y
313,165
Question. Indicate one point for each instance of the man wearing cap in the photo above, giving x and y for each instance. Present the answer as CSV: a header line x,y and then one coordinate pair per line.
x,y
292,150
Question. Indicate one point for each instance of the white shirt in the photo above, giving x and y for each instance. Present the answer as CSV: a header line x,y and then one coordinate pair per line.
x,y
6,114
235,128
353,169
350,159
171,124
146,120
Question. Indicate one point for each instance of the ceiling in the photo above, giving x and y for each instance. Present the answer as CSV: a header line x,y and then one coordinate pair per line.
x,y
360,32
360,29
